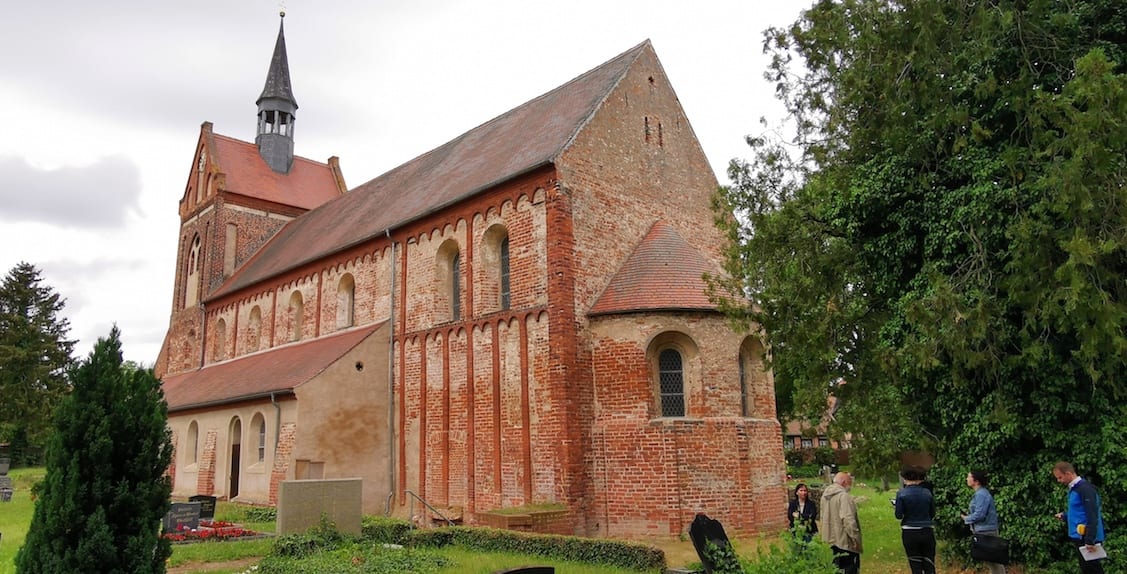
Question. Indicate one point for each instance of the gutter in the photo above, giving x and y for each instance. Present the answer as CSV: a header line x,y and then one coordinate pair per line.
x,y
221,402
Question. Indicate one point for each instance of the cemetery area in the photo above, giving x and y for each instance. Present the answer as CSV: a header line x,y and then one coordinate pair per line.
x,y
235,555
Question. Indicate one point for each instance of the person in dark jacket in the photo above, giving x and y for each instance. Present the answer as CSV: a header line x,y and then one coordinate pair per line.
x,y
915,508
1085,524
803,511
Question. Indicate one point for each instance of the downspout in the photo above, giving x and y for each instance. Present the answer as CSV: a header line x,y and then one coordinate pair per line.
x,y
277,422
391,378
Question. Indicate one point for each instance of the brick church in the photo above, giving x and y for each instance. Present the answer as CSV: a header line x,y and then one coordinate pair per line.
x,y
516,317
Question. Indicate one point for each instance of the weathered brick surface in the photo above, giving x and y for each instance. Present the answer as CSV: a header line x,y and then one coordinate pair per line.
x,y
502,407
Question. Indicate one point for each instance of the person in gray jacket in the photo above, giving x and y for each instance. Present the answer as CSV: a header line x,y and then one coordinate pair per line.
x,y
840,527
982,516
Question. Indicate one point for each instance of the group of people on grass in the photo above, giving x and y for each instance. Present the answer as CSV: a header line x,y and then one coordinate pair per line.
x,y
914,506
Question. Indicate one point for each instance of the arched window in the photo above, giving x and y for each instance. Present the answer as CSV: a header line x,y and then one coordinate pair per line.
x,y
192,273
506,297
192,447
346,301
259,426
671,380
675,368
297,315
752,375
456,287
255,335
220,351
448,282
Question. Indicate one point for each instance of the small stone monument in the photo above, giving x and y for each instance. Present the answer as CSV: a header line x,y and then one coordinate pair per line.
x,y
207,505
182,516
705,531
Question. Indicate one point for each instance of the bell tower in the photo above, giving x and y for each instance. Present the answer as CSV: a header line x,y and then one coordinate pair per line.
x,y
276,107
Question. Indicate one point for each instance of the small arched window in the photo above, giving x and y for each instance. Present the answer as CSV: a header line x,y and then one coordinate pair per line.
x,y
192,273
193,444
671,379
506,297
254,337
455,287
752,375
259,426
346,301
220,351
297,315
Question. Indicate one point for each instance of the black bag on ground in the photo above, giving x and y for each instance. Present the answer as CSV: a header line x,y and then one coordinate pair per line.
x,y
987,548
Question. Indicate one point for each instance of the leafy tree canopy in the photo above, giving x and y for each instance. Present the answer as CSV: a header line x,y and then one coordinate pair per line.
x,y
943,244
34,355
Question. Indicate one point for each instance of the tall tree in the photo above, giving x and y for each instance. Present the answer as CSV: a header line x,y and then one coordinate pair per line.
x,y
947,235
105,491
34,356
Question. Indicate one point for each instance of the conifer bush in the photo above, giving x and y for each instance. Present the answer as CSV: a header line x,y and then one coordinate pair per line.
x,y
105,491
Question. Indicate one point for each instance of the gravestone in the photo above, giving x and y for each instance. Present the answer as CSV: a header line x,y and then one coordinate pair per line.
x,y
705,530
182,515
207,505
5,464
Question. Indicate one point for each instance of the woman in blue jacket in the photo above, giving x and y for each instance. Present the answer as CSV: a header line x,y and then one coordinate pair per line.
x,y
915,507
982,516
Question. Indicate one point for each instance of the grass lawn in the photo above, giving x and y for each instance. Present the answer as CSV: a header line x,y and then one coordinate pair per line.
x,y
883,550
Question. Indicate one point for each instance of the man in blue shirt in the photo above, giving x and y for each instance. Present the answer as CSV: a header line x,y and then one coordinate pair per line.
x,y
1083,516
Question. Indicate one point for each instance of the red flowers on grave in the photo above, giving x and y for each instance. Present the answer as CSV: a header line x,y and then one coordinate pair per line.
x,y
208,530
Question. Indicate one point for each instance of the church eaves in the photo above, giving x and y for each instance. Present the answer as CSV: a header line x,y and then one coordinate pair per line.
x,y
525,138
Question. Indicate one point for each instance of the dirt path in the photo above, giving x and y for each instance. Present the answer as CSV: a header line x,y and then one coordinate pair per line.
x,y
192,567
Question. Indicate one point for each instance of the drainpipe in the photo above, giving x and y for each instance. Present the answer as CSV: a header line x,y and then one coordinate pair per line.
x,y
391,375
277,421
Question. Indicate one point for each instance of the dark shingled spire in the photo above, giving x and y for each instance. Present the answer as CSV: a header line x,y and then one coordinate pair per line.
x,y
278,78
276,107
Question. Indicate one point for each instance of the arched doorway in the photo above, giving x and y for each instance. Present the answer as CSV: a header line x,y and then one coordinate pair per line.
x,y
236,460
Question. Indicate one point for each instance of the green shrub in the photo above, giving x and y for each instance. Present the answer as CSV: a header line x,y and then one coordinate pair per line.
x,y
325,536
793,556
261,514
355,557
381,529
590,550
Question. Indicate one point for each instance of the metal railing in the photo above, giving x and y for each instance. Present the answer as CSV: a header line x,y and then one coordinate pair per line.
x,y
415,497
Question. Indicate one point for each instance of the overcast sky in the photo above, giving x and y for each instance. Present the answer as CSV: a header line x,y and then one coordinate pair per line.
x,y
101,104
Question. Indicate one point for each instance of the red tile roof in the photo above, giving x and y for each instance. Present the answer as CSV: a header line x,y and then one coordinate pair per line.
x,y
280,369
663,273
307,185
523,139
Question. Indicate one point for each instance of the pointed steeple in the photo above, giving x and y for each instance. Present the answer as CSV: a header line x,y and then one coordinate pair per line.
x,y
276,107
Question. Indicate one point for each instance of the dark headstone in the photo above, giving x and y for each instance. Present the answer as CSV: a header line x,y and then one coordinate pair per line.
x,y
704,531
529,570
5,464
182,515
207,505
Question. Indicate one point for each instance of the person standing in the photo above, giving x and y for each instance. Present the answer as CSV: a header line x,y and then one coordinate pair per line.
x,y
803,511
915,508
840,527
982,516
1083,516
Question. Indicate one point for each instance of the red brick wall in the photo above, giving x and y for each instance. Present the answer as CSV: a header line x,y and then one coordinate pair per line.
x,y
283,458
205,481
654,474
